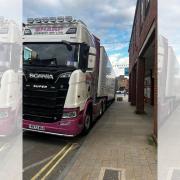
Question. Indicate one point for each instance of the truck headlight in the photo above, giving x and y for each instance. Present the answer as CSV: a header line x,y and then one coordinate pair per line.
x,y
70,113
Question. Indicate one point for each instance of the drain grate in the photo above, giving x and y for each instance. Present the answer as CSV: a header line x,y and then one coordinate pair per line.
x,y
111,174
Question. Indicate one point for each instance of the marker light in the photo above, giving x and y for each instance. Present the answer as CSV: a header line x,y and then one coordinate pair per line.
x,y
45,19
52,19
30,20
37,20
71,30
68,18
27,32
60,19
65,75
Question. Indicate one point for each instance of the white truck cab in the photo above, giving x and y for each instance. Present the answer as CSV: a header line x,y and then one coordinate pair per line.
x,y
61,68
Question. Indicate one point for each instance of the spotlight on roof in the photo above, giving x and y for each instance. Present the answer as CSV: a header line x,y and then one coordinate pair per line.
x,y
68,18
60,19
30,20
37,20
45,20
52,19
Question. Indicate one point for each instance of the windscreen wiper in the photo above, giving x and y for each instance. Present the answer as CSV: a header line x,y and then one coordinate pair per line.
x,y
48,61
44,62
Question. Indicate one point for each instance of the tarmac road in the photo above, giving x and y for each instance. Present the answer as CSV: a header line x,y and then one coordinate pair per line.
x,y
45,156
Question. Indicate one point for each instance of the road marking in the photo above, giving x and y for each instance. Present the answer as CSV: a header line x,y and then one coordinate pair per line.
x,y
58,161
50,162
37,163
57,158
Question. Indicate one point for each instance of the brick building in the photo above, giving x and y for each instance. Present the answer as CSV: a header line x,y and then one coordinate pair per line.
x,y
123,82
143,60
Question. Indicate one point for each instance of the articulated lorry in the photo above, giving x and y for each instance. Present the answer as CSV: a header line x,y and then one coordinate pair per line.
x,y
68,80
10,81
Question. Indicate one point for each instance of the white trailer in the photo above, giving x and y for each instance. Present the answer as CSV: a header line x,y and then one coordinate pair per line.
x,y
107,78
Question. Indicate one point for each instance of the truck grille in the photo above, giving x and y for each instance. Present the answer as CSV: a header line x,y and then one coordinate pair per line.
x,y
44,105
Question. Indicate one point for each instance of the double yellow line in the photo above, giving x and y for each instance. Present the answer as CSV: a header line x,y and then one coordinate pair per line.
x,y
51,165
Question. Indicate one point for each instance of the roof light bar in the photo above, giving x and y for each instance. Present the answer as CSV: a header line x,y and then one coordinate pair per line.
x,y
59,19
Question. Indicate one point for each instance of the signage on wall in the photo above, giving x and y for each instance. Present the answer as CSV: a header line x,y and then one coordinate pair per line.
x,y
126,71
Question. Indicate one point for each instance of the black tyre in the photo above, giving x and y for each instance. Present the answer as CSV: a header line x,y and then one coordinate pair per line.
x,y
87,123
101,111
104,106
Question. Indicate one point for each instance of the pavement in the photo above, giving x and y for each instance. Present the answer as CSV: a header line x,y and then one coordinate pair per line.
x,y
117,142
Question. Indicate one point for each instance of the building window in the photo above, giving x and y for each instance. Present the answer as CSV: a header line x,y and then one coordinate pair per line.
x,y
147,2
142,11
135,34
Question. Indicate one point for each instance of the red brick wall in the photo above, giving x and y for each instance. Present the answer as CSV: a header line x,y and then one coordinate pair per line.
x,y
140,31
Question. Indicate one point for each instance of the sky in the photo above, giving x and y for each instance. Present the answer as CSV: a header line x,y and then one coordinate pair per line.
x,y
11,10
109,20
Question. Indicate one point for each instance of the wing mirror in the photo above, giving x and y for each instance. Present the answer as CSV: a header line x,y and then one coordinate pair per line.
x,y
84,50
91,58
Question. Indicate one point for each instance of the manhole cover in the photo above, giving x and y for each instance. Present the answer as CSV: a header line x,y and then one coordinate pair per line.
x,y
111,174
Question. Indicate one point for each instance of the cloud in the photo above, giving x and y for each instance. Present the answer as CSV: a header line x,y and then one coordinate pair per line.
x,y
109,20
50,3
117,61
98,14
114,47
11,9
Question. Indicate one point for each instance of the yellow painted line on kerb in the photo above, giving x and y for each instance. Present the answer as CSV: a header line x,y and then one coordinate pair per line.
x,y
60,155
57,162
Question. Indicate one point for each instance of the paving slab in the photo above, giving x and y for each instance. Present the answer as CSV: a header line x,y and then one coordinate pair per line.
x,y
118,140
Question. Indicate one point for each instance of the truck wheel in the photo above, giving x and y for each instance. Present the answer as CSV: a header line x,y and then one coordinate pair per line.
x,y
101,110
104,106
87,123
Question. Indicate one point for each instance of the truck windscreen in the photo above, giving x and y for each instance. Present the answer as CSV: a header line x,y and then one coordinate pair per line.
x,y
50,54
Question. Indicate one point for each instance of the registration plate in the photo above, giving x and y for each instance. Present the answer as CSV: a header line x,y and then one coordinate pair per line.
x,y
36,127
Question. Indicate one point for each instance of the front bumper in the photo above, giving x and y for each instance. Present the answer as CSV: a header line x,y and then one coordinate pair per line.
x,y
64,127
